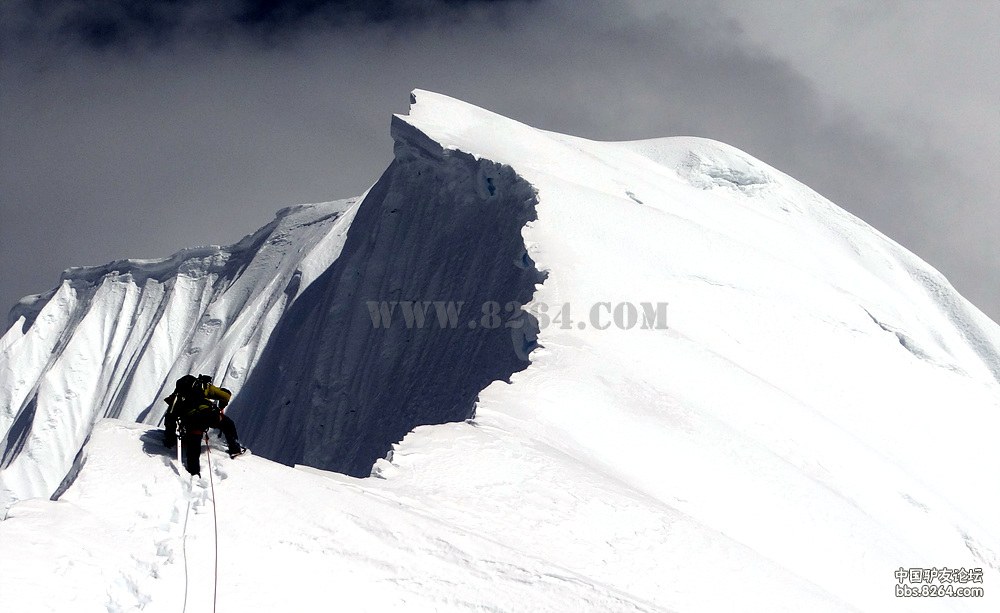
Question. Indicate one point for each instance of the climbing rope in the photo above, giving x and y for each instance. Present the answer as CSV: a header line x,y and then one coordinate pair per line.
x,y
215,525
184,539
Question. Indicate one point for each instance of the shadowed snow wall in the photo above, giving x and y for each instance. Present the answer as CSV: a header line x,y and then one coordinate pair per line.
x,y
333,390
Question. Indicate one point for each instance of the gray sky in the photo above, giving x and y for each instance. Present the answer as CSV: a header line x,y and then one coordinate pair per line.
x,y
133,129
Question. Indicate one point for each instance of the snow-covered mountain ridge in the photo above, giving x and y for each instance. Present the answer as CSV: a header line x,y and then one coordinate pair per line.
x,y
109,338
819,412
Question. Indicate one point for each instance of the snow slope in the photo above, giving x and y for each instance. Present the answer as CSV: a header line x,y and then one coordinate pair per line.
x,y
109,339
329,542
819,412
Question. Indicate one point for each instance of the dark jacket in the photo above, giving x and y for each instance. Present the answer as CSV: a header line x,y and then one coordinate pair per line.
x,y
189,401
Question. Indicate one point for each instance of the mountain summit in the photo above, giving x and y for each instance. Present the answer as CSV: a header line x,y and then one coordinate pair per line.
x,y
656,375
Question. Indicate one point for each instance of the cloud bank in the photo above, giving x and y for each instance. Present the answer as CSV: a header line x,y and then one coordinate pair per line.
x,y
192,122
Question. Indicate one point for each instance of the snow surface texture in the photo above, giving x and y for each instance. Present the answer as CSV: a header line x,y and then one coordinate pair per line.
x,y
111,340
438,226
821,411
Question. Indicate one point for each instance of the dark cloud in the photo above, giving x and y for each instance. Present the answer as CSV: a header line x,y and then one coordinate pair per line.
x,y
132,24
111,155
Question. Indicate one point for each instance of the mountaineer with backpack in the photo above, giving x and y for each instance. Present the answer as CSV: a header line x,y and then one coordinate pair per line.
x,y
193,406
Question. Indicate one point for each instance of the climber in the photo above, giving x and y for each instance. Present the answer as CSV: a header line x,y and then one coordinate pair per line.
x,y
193,405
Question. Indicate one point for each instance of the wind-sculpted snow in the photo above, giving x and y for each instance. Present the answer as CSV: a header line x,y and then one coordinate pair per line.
x,y
440,230
800,409
780,412
130,535
109,339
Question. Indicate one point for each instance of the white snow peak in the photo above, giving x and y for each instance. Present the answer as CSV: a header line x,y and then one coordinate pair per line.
x,y
818,412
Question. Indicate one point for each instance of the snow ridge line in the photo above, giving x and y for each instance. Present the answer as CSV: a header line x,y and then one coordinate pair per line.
x,y
102,347
333,389
214,257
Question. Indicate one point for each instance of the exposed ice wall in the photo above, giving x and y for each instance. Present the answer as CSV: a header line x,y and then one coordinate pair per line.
x,y
333,389
109,339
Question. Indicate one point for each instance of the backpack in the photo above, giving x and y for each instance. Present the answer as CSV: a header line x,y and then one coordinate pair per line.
x,y
189,394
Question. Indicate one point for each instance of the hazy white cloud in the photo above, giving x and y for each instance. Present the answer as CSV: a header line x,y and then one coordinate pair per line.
x,y
926,76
